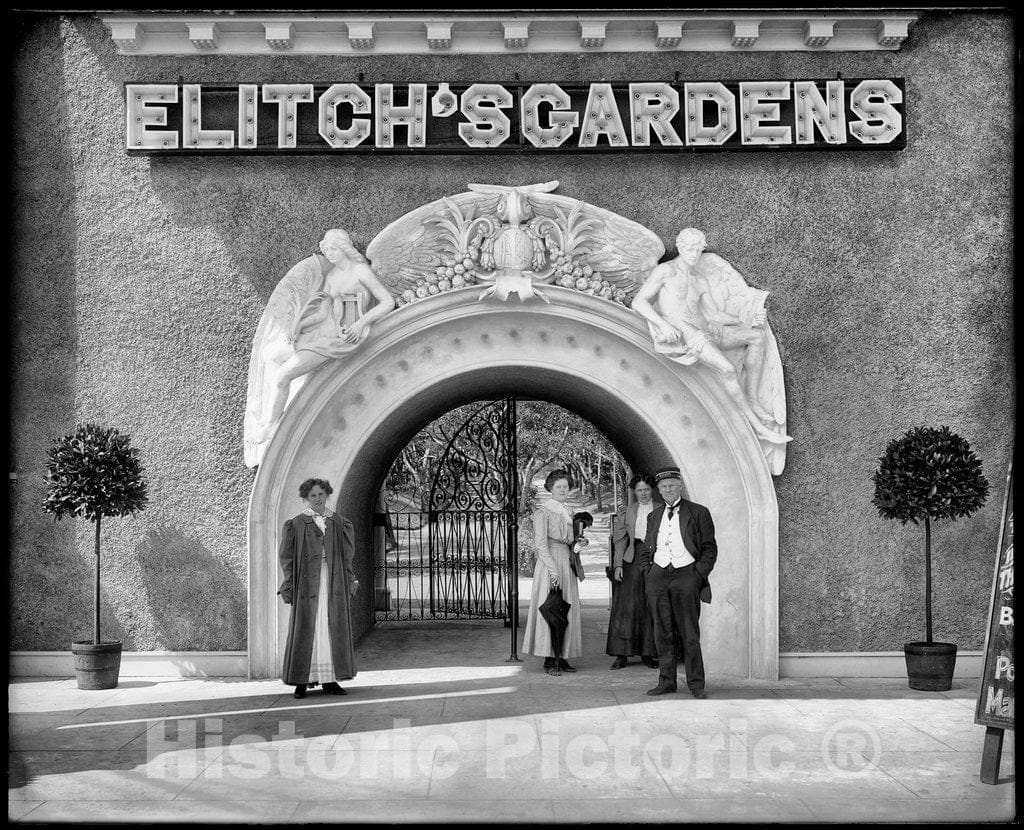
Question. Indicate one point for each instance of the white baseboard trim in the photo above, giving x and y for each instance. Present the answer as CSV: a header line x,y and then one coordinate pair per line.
x,y
135,664
969,664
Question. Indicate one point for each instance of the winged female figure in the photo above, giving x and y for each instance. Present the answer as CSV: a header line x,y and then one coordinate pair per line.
x,y
320,311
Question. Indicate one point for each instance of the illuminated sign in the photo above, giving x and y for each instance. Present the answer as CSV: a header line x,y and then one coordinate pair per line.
x,y
653,116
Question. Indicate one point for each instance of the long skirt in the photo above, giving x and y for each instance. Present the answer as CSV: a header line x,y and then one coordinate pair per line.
x,y
537,637
321,664
631,625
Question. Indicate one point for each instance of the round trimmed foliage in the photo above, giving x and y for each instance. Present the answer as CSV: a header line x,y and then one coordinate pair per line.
x,y
929,473
94,473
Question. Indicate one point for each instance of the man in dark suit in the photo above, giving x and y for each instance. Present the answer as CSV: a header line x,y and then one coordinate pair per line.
x,y
678,554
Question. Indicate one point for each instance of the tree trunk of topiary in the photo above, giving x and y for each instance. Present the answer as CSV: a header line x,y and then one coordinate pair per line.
x,y
96,609
928,579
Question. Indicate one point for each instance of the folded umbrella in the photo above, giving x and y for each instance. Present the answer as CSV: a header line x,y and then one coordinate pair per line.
x,y
555,611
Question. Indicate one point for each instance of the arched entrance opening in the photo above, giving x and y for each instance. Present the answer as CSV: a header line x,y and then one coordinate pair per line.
x,y
455,530
593,357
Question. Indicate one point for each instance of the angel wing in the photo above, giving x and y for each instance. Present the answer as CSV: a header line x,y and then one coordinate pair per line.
x,y
623,251
728,290
729,293
273,344
413,246
772,394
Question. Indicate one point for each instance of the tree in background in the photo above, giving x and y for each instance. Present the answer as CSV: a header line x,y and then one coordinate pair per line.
x,y
410,476
543,431
547,437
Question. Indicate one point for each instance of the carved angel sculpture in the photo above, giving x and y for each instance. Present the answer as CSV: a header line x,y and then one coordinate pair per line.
x,y
699,309
317,313
512,240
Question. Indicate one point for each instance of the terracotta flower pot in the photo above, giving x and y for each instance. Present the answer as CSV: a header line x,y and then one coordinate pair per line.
x,y
930,665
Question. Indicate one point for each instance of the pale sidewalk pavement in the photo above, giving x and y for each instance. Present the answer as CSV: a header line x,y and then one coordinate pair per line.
x,y
438,727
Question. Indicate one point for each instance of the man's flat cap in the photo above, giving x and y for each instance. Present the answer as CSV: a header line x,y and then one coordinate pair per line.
x,y
667,472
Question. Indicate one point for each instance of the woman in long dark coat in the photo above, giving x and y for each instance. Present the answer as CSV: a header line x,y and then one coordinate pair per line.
x,y
631,626
316,552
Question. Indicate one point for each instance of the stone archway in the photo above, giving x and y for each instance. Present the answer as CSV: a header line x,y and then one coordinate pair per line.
x,y
592,356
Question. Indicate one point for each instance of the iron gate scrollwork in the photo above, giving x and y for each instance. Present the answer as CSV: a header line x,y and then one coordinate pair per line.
x,y
456,557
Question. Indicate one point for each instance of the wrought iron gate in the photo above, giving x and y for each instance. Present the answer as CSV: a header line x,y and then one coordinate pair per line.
x,y
458,557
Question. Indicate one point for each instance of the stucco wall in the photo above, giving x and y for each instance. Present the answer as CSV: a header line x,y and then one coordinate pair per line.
x,y
137,284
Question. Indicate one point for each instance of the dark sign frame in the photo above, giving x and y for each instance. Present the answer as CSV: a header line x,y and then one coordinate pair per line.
x,y
999,638
219,107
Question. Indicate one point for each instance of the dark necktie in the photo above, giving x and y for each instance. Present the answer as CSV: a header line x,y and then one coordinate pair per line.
x,y
672,508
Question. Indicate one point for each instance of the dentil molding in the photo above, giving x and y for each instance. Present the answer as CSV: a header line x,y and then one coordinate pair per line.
x,y
229,33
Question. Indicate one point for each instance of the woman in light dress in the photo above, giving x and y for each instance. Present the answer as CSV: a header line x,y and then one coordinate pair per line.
x,y
553,536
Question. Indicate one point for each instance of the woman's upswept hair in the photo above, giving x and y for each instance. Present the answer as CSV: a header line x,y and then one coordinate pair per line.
x,y
553,476
310,483
646,478
341,239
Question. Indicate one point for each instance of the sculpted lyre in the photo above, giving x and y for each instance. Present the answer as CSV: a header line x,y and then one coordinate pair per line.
x,y
320,311
699,309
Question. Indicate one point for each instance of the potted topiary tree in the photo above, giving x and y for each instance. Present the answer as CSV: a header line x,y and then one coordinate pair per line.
x,y
929,474
94,473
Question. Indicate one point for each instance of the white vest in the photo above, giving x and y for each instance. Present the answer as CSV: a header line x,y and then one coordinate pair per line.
x,y
671,550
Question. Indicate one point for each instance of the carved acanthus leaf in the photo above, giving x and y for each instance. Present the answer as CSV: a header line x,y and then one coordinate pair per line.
x,y
415,246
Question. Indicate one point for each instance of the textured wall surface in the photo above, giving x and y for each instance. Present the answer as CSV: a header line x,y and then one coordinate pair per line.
x,y
138,282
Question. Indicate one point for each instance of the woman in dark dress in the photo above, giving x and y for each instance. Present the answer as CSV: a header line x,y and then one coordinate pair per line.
x,y
631,627
316,556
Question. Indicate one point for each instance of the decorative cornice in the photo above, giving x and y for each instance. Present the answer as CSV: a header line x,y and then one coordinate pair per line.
x,y
203,34
592,34
482,33
126,34
361,34
668,34
818,33
277,35
745,33
892,33
516,34
439,35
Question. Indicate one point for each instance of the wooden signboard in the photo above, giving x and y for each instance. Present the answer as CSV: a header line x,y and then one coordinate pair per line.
x,y
995,698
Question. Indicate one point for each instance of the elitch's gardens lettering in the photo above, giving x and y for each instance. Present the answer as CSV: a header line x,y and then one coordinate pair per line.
x,y
538,117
